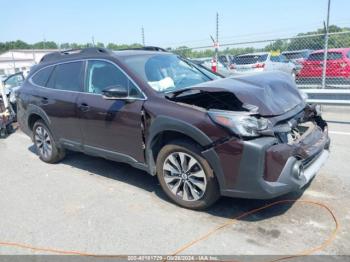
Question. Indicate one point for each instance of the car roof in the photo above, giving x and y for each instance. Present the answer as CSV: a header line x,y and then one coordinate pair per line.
x,y
296,51
256,53
135,52
342,50
67,55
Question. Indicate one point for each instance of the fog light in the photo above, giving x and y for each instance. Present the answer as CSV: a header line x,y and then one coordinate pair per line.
x,y
298,170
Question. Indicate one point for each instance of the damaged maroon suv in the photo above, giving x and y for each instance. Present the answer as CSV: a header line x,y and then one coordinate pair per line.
x,y
204,136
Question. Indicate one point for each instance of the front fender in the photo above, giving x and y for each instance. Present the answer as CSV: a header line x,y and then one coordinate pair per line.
x,y
165,123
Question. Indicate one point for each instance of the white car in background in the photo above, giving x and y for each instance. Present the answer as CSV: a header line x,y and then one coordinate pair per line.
x,y
207,62
11,84
262,61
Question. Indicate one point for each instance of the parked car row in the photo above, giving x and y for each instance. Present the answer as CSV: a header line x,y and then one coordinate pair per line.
x,y
303,65
262,61
337,66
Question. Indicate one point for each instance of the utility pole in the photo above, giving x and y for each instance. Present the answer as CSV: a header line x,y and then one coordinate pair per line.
x,y
14,62
93,41
324,69
217,41
143,36
44,44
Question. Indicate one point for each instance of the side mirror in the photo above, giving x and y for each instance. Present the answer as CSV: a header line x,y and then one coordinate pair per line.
x,y
115,92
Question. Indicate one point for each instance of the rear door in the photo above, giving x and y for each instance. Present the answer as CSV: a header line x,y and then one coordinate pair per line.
x,y
57,94
111,128
312,67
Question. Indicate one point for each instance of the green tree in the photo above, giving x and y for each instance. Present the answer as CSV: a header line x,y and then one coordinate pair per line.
x,y
99,44
278,45
307,41
45,45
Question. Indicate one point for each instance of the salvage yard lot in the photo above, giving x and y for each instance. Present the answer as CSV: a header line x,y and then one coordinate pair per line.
x,y
93,205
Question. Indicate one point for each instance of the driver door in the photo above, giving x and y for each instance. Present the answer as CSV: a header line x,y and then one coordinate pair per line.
x,y
110,128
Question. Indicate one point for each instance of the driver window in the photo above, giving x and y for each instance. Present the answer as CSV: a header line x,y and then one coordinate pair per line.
x,y
101,75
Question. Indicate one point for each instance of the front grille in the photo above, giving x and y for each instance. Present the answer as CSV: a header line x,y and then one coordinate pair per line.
x,y
291,132
308,161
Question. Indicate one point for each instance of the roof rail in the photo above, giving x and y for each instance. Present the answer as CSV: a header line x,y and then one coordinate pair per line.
x,y
147,48
79,51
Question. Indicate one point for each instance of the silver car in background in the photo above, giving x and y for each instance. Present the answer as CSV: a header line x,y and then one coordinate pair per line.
x,y
297,57
222,69
260,62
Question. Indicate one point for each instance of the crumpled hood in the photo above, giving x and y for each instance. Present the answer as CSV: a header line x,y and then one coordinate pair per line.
x,y
274,93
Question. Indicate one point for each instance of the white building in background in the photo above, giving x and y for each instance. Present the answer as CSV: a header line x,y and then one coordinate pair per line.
x,y
20,60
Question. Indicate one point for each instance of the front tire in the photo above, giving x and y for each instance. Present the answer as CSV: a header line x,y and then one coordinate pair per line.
x,y
185,176
45,145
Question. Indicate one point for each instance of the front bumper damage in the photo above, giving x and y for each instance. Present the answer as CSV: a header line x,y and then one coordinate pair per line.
x,y
268,168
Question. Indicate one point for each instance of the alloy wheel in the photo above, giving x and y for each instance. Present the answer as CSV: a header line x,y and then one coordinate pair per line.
x,y
184,176
43,142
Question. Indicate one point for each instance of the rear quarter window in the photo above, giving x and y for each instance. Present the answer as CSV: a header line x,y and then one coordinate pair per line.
x,y
67,77
42,76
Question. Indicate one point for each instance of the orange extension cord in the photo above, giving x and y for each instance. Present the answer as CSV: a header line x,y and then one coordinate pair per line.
x,y
232,221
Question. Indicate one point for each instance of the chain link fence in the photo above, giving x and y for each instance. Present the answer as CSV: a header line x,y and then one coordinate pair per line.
x,y
304,57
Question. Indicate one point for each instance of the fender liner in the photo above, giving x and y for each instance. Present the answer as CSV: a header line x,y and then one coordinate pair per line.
x,y
36,110
165,123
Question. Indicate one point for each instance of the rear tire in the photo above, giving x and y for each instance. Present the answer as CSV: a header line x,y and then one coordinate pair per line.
x,y
185,176
45,144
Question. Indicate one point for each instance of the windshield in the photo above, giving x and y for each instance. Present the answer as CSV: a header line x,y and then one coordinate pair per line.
x,y
166,73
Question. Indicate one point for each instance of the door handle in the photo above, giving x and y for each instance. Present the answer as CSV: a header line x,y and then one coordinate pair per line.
x,y
44,100
84,107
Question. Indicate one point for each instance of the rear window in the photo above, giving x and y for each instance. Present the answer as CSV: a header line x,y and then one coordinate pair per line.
x,y
223,59
295,55
250,59
41,77
275,58
330,56
67,77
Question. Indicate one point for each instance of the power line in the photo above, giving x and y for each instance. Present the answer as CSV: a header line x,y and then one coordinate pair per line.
x,y
277,31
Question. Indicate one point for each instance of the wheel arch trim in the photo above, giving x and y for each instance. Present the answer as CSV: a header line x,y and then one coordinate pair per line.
x,y
163,123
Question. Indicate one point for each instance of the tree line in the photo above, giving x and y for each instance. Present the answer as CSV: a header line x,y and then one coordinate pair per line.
x,y
301,41
311,40
19,44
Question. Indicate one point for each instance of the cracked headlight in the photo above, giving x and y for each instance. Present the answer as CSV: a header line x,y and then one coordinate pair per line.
x,y
240,123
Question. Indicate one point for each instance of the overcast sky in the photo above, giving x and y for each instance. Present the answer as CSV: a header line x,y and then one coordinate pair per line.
x,y
166,22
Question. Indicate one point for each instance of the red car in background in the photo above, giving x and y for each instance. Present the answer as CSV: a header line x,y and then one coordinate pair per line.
x,y
338,64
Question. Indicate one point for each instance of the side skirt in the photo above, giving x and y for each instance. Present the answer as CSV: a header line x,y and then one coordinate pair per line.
x,y
103,153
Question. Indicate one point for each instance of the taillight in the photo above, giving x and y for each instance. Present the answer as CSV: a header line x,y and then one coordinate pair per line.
x,y
262,65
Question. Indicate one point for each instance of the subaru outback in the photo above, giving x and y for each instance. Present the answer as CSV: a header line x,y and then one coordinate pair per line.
x,y
203,136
